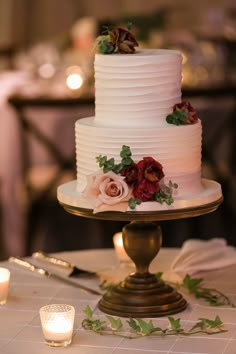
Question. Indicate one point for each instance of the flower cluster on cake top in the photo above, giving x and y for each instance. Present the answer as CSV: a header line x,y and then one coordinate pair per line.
x,y
117,40
115,186
183,113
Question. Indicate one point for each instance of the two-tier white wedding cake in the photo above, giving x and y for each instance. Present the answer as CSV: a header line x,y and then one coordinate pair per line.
x,y
134,95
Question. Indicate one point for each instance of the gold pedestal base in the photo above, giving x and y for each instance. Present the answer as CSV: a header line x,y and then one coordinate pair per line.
x,y
142,296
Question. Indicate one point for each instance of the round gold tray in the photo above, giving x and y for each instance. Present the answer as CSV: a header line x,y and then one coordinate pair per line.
x,y
145,216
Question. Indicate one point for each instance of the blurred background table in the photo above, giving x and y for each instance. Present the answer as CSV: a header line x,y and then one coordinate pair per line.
x,y
46,158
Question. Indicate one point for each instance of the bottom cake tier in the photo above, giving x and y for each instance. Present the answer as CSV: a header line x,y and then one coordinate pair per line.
x,y
176,148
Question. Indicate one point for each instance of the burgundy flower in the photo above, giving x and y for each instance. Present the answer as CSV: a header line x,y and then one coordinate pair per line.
x,y
123,40
144,190
192,116
131,173
149,175
150,169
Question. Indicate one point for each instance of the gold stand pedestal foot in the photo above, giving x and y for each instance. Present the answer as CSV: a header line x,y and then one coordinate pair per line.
x,y
142,294
143,297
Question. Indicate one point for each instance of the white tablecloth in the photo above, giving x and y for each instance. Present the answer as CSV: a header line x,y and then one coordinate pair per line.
x,y
20,328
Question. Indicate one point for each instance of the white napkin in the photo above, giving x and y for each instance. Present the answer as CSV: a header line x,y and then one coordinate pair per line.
x,y
203,255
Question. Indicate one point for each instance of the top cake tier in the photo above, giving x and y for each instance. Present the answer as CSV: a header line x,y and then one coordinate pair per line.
x,y
137,90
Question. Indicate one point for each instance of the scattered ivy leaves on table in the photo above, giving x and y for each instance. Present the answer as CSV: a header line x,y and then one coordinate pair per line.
x,y
140,328
213,296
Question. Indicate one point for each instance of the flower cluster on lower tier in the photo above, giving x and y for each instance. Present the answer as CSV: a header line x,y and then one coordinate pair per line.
x,y
117,186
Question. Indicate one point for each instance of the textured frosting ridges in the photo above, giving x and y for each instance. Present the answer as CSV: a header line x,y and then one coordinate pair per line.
x,y
134,94
137,90
178,148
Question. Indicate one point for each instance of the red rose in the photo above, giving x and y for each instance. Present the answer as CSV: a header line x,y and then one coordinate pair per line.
x,y
131,173
149,175
144,190
192,116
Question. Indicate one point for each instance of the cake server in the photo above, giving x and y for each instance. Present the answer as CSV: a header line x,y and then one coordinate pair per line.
x,y
74,270
30,266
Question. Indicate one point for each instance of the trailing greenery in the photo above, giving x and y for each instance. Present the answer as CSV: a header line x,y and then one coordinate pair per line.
x,y
140,328
165,194
109,164
213,296
133,202
178,117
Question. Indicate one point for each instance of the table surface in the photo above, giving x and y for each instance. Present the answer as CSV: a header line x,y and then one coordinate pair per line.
x,y
20,328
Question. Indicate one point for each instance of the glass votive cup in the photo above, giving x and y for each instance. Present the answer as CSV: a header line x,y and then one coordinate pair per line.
x,y
121,254
57,322
4,284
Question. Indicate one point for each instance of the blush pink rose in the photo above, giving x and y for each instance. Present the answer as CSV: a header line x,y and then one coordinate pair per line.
x,y
106,190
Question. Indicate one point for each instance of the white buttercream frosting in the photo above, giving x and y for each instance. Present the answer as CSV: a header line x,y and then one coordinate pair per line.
x,y
134,94
177,148
137,89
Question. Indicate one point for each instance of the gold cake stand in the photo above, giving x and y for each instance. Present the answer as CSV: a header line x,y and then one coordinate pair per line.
x,y
142,294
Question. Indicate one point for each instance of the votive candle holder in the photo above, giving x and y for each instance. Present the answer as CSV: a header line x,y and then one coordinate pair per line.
x,y
4,284
57,322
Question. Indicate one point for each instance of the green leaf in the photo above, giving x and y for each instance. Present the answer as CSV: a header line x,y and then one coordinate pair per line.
x,y
93,325
97,325
175,324
191,283
212,323
117,168
178,117
125,151
109,165
164,195
105,46
197,325
134,325
115,322
104,163
101,160
88,311
133,202
159,275
127,161
105,285
146,327
159,329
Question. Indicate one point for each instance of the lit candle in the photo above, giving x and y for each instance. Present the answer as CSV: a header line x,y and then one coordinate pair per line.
x,y
4,284
119,248
57,324
74,78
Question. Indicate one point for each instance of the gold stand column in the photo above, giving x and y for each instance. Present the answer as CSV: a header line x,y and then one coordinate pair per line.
x,y
142,294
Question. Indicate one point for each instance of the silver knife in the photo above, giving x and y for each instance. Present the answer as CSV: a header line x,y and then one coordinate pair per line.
x,y
74,271
28,265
